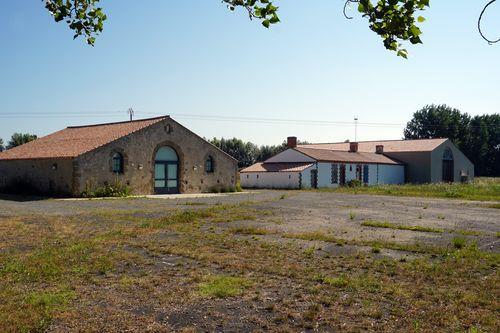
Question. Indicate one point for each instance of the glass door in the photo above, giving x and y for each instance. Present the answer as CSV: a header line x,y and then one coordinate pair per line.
x,y
166,177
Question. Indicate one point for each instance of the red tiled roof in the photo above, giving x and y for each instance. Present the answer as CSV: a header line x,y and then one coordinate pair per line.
x,y
325,155
390,146
277,167
74,141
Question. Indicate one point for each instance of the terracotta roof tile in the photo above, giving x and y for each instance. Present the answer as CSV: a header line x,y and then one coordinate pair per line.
x,y
325,155
74,141
390,146
277,167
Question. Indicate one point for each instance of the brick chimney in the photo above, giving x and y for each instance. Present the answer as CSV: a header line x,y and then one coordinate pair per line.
x,y
353,147
379,149
291,142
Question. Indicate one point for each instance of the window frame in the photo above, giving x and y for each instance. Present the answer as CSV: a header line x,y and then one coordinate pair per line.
x,y
209,161
117,159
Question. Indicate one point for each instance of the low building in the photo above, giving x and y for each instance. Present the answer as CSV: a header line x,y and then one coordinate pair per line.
x,y
156,155
370,162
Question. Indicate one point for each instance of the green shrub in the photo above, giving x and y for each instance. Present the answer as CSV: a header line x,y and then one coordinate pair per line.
x,y
238,187
115,190
354,183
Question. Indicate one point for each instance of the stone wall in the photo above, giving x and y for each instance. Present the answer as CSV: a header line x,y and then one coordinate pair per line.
x,y
139,148
42,176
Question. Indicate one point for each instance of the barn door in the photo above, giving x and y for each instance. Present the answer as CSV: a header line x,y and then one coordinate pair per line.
x,y
342,175
448,171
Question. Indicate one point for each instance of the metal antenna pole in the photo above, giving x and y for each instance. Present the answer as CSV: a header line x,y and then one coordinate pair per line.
x,y
130,111
355,128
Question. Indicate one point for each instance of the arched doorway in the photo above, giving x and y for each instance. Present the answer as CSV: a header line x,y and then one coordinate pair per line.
x,y
448,166
166,171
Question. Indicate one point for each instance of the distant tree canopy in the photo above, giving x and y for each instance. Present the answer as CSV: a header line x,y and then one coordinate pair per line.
x,y
246,153
2,148
18,139
478,137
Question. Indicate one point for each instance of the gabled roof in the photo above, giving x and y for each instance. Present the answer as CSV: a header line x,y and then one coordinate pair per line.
x,y
277,167
75,141
390,146
325,155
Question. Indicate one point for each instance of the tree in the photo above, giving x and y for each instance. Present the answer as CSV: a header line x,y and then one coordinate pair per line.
x,y
393,20
246,153
478,137
18,139
1,145
438,121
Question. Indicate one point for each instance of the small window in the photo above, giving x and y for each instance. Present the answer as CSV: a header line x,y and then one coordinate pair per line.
x,y
257,176
289,176
247,176
117,163
350,167
209,165
335,174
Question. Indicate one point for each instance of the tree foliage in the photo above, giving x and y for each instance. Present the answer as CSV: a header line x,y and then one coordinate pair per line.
x,y
246,153
1,145
478,137
18,139
84,17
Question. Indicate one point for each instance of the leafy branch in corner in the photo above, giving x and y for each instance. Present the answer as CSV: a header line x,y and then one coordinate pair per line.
x,y
82,16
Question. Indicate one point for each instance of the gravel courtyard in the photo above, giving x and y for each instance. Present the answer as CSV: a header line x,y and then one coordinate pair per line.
x,y
276,260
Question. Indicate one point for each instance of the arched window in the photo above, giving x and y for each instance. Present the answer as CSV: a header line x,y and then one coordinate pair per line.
x,y
117,163
209,164
448,154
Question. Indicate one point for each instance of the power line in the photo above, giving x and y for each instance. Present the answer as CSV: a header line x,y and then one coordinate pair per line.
x,y
260,120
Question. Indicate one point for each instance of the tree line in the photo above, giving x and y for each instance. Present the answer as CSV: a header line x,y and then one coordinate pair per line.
x,y
477,137
247,153
17,139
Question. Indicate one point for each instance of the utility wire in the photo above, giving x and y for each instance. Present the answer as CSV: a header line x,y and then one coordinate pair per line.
x,y
307,122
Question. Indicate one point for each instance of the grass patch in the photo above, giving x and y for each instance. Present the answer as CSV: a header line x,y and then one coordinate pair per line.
x,y
459,242
466,232
495,205
250,231
482,189
222,286
388,225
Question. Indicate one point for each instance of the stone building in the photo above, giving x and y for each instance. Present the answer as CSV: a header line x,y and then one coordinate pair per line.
x,y
156,155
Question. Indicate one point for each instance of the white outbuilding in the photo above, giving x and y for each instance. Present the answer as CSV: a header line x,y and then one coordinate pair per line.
x,y
303,167
370,162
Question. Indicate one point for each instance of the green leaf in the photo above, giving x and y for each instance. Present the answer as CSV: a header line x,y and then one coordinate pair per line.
x,y
421,19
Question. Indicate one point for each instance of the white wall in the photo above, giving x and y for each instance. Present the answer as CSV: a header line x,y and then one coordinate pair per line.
x,y
377,174
325,175
269,179
289,155
391,174
306,176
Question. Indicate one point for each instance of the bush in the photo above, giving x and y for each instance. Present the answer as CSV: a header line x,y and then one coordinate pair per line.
x,y
106,190
354,183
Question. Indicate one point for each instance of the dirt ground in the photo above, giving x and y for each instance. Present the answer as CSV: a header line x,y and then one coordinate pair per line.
x,y
307,211
301,261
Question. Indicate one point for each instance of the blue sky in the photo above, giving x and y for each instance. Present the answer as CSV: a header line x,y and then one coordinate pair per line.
x,y
195,57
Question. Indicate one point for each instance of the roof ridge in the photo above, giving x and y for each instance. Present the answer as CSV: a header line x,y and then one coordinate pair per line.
x,y
387,140
120,122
